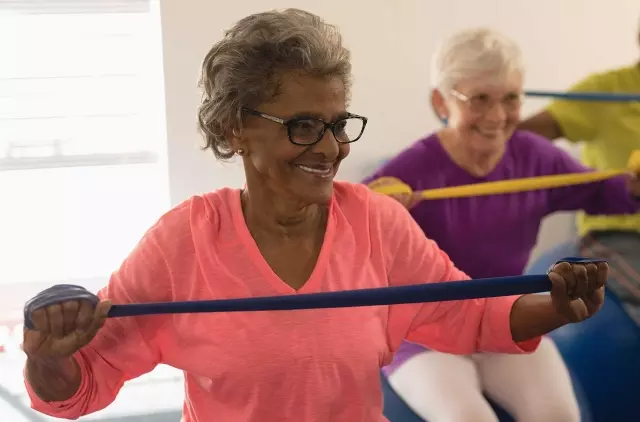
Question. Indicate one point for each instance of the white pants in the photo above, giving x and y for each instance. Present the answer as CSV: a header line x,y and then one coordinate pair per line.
x,y
441,387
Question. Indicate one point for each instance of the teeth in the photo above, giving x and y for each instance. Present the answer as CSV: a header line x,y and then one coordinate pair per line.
x,y
315,171
488,132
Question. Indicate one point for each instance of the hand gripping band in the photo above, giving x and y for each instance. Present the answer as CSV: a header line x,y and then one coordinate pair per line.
x,y
54,295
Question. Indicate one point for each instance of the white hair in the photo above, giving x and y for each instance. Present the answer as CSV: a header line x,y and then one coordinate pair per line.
x,y
476,52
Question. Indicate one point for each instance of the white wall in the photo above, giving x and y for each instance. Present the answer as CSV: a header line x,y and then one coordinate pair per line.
x,y
391,42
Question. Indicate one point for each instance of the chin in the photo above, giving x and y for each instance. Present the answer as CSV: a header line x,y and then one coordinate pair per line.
x,y
319,195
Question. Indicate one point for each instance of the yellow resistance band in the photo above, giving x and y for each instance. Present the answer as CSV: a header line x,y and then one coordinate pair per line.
x,y
512,185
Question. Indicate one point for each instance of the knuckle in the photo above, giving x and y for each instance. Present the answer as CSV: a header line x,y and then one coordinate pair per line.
x,y
70,306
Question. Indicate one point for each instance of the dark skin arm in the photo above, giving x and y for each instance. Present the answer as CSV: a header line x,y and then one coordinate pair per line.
x,y
543,124
60,331
534,316
53,379
577,293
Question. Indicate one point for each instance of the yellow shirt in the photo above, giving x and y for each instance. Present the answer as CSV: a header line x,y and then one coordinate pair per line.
x,y
610,131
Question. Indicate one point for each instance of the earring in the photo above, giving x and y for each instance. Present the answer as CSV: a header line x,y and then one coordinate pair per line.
x,y
240,151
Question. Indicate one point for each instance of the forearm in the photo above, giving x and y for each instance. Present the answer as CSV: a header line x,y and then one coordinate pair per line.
x,y
616,197
543,124
533,316
54,379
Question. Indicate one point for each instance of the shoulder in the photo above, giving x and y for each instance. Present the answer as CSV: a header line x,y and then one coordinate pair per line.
x,y
607,80
537,153
356,201
527,143
204,212
409,162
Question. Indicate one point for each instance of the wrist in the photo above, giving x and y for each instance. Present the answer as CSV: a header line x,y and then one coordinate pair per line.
x,y
534,315
53,378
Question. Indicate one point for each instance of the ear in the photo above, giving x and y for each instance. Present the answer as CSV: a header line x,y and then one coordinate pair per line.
x,y
439,105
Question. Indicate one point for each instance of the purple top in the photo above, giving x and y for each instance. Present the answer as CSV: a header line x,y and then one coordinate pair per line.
x,y
492,236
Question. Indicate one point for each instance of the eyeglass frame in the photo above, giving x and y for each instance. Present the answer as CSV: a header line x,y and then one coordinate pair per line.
x,y
326,125
467,99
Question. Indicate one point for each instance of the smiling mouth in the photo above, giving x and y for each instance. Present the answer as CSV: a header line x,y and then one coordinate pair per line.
x,y
322,172
490,133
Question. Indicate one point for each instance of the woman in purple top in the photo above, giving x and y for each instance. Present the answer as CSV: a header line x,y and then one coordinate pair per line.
x,y
478,80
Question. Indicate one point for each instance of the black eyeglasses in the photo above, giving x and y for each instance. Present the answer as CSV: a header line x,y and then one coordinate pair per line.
x,y
309,130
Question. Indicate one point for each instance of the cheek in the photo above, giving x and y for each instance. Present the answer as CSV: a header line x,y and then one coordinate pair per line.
x,y
513,119
345,149
272,156
464,120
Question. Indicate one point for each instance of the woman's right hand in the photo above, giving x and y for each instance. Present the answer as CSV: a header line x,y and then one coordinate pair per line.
x,y
408,200
61,320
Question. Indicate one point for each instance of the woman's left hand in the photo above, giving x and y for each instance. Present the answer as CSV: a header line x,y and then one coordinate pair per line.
x,y
577,290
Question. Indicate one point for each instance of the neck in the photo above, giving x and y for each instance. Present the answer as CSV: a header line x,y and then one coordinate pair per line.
x,y
265,212
477,163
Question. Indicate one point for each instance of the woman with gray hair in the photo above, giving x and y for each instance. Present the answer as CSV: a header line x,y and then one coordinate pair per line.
x,y
275,93
478,89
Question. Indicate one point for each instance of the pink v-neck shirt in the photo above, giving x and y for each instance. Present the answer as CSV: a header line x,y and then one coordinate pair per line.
x,y
304,365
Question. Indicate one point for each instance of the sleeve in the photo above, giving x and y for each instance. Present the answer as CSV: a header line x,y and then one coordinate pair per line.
x,y
125,348
459,327
579,120
606,197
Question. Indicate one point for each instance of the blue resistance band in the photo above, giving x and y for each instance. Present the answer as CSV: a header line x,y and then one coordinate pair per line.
x,y
417,293
586,96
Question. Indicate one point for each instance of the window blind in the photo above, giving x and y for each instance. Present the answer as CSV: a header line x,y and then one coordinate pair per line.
x,y
74,6
79,83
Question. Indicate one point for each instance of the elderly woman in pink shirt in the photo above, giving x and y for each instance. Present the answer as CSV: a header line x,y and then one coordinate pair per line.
x,y
275,94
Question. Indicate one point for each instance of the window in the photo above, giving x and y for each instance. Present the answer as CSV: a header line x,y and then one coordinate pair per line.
x,y
82,167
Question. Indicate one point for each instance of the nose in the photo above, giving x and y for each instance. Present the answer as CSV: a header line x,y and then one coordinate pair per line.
x,y
328,146
496,112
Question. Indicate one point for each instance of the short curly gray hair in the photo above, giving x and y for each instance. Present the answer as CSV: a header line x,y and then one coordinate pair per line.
x,y
472,53
242,69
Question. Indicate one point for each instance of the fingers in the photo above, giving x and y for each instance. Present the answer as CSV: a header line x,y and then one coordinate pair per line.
x,y
84,318
564,272
580,279
69,315
558,289
603,274
581,282
40,320
80,318
98,319
81,337
404,199
595,298
56,320
63,317
592,277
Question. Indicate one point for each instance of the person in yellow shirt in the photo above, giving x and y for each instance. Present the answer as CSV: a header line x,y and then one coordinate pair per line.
x,y
610,131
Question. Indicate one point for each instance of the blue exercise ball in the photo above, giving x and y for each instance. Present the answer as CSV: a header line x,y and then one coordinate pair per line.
x,y
602,353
